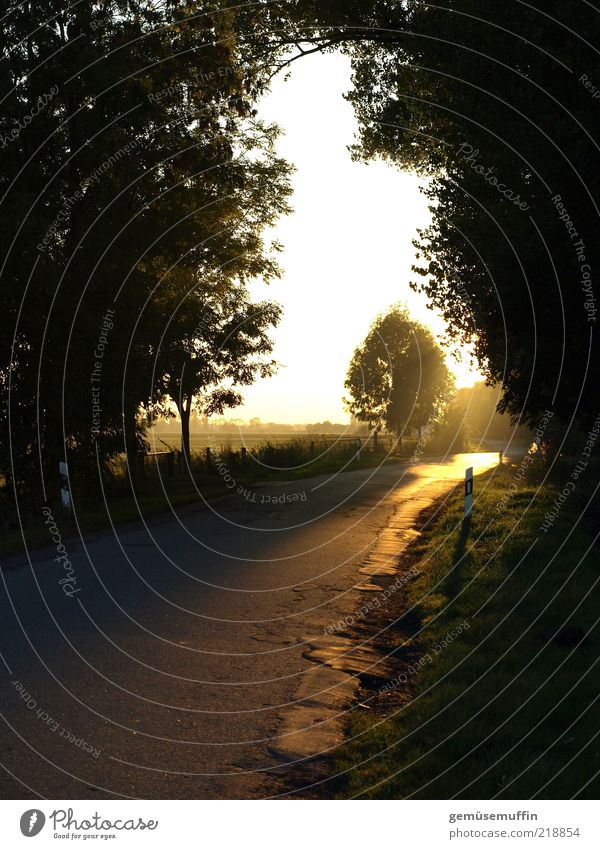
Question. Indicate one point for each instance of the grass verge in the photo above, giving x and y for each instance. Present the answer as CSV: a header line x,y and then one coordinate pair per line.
x,y
508,706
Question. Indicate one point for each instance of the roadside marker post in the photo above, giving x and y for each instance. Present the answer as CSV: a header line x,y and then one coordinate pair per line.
x,y
469,492
65,492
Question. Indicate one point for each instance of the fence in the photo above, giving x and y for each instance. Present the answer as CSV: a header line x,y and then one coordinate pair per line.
x,y
271,451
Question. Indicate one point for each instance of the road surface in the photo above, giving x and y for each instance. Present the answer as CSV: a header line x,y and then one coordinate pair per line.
x,y
174,662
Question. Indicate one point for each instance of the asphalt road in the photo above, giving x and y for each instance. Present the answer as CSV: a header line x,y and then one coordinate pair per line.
x,y
166,668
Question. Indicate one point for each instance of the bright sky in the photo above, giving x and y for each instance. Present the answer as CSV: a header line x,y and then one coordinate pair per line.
x,y
348,248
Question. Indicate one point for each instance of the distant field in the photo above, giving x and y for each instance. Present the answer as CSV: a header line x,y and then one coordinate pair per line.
x,y
236,439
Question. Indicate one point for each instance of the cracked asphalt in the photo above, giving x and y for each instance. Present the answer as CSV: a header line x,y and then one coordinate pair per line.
x,y
170,672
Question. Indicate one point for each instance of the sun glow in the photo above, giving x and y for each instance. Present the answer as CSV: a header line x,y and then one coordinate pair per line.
x,y
348,248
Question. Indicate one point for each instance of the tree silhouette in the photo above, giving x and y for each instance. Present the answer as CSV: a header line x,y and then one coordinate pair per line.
x,y
398,378
145,173
213,345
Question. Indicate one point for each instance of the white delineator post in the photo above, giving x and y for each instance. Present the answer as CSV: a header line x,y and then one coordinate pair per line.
x,y
65,492
468,492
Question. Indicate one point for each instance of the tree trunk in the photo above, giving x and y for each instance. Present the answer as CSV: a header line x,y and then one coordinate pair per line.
x,y
131,445
184,407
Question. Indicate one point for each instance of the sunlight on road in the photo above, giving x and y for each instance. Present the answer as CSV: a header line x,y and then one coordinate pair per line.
x,y
456,465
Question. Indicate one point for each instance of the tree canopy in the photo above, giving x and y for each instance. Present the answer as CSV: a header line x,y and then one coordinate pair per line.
x,y
494,104
397,379
134,172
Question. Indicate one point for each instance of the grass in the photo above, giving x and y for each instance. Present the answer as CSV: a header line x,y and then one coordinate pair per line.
x,y
506,709
157,493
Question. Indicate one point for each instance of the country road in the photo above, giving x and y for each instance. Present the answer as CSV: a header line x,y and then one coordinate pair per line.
x,y
176,668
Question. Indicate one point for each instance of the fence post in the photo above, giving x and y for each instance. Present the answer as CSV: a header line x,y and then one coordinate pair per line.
x,y
208,458
65,492
244,455
468,492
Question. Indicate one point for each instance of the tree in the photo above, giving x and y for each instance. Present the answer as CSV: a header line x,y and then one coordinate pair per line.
x,y
215,343
471,418
500,119
143,169
398,378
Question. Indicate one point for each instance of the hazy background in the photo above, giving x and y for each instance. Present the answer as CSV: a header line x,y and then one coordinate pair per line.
x,y
348,248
